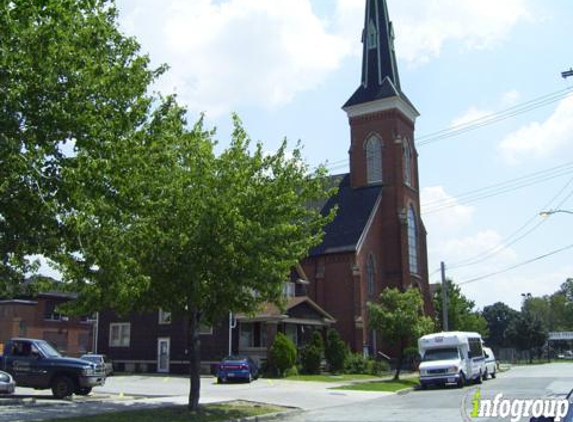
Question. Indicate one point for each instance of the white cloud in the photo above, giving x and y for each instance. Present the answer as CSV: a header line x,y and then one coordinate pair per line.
x,y
236,52
471,115
423,27
540,139
510,98
448,220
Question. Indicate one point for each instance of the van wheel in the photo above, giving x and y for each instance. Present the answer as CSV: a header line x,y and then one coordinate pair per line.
x,y
493,374
62,387
478,380
461,380
485,375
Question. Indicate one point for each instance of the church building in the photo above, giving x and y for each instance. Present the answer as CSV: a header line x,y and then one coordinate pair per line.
x,y
377,239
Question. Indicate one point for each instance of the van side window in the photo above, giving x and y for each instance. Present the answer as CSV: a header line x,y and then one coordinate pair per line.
x,y
475,348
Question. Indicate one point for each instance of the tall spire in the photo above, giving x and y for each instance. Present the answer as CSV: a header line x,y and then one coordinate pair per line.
x,y
380,77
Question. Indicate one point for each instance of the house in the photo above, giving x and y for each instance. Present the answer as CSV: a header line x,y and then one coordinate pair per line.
x,y
157,341
37,317
377,239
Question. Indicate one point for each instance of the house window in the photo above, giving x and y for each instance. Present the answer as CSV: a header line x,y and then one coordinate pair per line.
x,y
253,334
412,240
164,317
205,330
370,276
374,159
407,163
50,313
289,290
291,332
119,334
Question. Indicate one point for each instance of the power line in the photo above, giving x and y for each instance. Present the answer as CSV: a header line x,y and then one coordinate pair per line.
x,y
511,240
538,258
495,117
478,123
499,188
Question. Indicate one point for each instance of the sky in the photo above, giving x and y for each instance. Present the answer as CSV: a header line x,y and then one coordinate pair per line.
x,y
287,66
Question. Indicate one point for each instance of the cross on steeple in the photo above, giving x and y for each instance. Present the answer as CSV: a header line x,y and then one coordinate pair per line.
x,y
380,78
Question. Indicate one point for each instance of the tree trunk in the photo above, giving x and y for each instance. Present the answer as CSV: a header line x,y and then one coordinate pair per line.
x,y
400,361
194,347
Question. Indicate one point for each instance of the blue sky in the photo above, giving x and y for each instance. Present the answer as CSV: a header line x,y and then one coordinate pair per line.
x,y
287,66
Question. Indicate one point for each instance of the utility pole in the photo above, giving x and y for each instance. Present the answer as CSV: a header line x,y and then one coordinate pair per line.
x,y
445,325
567,73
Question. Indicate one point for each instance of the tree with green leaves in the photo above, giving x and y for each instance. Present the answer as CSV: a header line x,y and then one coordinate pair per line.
x,y
399,317
462,315
282,354
168,224
527,332
499,317
70,83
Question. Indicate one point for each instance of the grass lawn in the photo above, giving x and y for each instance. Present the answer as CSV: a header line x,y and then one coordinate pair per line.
x,y
333,378
389,385
209,413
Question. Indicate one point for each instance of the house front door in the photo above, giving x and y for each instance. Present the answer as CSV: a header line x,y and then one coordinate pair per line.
x,y
163,346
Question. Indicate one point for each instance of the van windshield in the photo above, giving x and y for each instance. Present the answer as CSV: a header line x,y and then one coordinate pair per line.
x,y
441,354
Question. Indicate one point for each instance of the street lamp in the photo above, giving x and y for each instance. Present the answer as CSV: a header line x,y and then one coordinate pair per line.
x,y
545,214
567,73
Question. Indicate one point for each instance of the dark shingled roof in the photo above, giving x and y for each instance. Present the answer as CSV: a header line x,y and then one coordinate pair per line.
x,y
354,209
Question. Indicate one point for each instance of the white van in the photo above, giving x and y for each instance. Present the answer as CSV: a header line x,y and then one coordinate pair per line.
x,y
451,358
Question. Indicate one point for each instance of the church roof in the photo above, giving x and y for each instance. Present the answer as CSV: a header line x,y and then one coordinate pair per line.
x,y
355,206
380,78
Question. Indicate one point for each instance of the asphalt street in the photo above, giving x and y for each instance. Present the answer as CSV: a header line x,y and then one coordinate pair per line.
x,y
319,402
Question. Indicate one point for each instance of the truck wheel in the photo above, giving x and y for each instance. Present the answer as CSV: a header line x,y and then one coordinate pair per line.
x,y
83,391
62,387
461,380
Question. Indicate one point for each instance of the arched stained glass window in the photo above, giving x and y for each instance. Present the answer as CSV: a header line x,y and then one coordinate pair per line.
x,y
408,155
370,270
374,159
412,240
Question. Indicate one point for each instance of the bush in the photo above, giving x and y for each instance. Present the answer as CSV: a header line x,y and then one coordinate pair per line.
x,y
355,364
283,354
377,367
291,372
335,352
310,359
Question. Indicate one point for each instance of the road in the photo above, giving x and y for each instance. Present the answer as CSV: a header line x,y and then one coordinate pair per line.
x,y
444,405
319,402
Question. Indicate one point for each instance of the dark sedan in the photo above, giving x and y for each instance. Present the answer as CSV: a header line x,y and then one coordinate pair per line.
x,y
237,368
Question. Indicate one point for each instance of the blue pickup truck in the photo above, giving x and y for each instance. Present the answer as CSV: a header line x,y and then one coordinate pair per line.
x,y
36,364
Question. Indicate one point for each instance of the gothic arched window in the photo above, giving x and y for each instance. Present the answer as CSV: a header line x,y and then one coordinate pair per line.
x,y
408,161
374,159
370,269
412,240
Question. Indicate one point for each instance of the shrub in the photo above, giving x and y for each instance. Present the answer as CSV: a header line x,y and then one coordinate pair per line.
x,y
283,354
317,341
377,367
335,352
310,359
356,364
291,372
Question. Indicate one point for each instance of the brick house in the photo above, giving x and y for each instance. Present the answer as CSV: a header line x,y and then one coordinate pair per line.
x,y
157,341
377,239
37,318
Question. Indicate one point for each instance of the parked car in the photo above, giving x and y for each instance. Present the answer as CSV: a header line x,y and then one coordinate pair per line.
x,y
490,363
7,384
237,368
100,360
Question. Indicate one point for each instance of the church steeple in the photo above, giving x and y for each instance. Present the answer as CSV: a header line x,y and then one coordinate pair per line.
x,y
380,78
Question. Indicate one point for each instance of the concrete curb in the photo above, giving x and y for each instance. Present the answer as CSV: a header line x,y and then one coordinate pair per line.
x,y
269,416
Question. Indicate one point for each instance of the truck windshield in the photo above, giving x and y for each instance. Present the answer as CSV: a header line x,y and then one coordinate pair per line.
x,y
440,354
48,350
